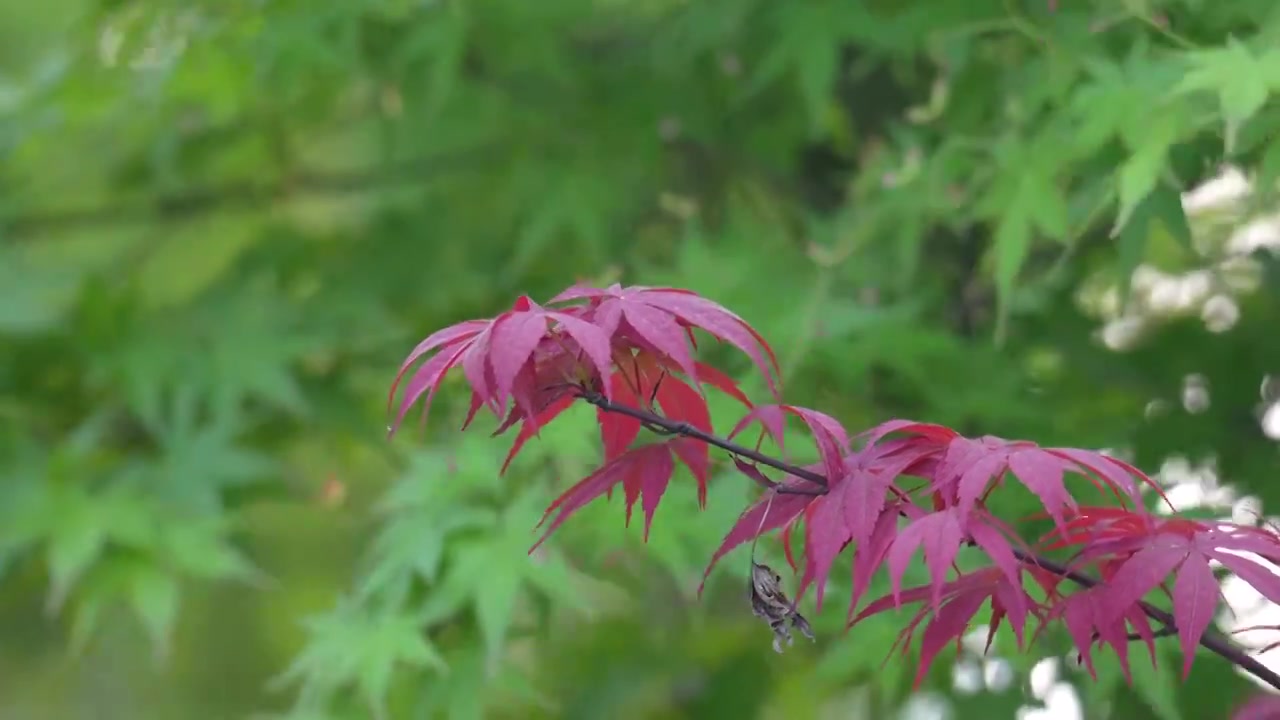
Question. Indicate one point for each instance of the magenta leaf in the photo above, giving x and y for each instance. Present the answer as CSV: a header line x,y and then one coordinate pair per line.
x,y
754,473
1042,473
825,536
952,613
940,535
829,436
516,337
593,341
772,417
721,323
949,624
495,356
451,335
647,479
478,367
863,495
1077,612
718,380
618,431
682,403
1084,614
973,481
960,455
772,511
650,311
995,545
1195,599
1139,575
937,434
426,380
663,333
870,555
530,429
1262,578
969,467
644,470
1116,474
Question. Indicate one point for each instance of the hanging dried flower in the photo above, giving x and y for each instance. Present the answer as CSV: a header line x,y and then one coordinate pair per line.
x,y
768,601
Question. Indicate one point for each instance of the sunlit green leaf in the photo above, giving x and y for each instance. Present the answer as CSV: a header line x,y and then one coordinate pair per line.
x,y
1235,74
1160,211
154,596
1141,172
351,648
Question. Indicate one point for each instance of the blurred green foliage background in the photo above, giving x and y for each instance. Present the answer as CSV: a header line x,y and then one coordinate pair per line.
x,y
224,224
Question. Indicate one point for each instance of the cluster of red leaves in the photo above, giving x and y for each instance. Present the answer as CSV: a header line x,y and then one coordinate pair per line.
x,y
631,345
886,493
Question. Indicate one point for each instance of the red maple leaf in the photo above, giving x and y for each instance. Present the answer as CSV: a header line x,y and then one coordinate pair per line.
x,y
536,359
777,508
966,470
1136,552
865,498
953,605
634,383
643,472
828,434
644,379
1088,619
659,319
494,354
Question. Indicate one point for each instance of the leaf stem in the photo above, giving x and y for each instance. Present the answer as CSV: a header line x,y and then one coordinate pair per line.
x,y
1210,640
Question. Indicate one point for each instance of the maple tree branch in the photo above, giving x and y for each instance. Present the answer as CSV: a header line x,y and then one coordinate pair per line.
x,y
653,420
1210,640
1166,631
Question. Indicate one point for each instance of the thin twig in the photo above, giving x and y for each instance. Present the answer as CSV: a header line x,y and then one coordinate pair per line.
x,y
689,431
1210,640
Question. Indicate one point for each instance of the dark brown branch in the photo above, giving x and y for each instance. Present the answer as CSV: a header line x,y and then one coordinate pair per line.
x,y
1210,640
680,428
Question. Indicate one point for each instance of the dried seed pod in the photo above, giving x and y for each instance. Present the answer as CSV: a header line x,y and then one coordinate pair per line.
x,y
769,602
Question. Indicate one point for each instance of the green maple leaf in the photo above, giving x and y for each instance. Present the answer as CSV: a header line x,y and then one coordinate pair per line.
x,y
198,460
239,344
1024,200
468,691
1103,105
808,47
688,534
352,646
412,545
151,593
1160,211
1235,74
1140,174
78,523
491,572
199,546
